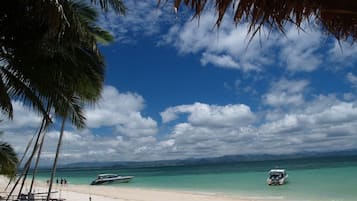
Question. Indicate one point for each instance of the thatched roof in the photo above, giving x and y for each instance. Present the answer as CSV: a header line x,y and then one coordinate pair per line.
x,y
337,17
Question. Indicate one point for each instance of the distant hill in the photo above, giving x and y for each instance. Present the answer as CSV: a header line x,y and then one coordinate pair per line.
x,y
215,160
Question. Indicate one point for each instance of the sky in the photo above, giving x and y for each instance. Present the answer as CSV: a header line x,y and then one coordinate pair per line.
x,y
178,88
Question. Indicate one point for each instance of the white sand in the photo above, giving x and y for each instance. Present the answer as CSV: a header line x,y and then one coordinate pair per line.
x,y
72,192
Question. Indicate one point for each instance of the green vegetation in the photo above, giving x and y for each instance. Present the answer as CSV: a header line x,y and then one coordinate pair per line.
x,y
8,160
49,60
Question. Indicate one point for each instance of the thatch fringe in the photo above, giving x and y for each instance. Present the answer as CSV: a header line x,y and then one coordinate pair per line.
x,y
337,17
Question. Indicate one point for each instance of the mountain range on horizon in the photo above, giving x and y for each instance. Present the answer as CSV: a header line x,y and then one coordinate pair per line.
x,y
213,160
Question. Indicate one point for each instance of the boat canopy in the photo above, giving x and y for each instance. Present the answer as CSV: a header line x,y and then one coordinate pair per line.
x,y
277,171
107,175
103,175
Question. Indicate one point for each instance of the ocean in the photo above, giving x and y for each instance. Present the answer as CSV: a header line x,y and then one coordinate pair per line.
x,y
310,179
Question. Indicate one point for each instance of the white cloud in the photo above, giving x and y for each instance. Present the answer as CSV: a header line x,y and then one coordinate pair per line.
x,y
122,111
225,47
224,61
323,124
211,115
352,79
122,131
141,18
304,50
23,117
343,54
299,49
286,92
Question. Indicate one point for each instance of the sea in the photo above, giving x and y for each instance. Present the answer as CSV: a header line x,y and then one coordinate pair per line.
x,y
310,179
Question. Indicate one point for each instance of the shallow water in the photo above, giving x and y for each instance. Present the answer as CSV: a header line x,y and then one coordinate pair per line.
x,y
330,179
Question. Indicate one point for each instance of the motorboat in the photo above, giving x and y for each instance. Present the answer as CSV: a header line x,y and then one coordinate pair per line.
x,y
277,177
111,178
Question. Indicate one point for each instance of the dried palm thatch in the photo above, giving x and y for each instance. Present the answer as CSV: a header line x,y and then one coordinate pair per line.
x,y
336,17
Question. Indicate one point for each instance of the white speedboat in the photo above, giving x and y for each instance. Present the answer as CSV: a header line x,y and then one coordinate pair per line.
x,y
277,177
111,178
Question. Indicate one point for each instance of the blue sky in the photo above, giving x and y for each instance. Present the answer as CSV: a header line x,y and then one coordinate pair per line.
x,y
179,88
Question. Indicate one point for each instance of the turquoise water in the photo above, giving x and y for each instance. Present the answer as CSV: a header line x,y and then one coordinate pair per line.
x,y
330,179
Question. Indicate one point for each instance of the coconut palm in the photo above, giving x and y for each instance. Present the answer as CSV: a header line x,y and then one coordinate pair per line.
x,y
83,84
338,18
28,29
53,60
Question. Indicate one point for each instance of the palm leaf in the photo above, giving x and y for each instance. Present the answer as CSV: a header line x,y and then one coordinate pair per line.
x,y
8,160
21,90
117,5
5,101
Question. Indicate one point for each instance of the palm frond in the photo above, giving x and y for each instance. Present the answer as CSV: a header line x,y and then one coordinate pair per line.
x,y
84,18
72,107
19,89
102,36
8,160
5,101
117,5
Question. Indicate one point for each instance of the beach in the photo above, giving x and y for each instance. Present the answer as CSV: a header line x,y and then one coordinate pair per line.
x,y
72,192
315,179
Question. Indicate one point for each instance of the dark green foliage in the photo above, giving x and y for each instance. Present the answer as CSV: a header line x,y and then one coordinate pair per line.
x,y
8,160
49,53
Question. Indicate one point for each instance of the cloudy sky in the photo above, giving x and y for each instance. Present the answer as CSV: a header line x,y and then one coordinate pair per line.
x,y
181,88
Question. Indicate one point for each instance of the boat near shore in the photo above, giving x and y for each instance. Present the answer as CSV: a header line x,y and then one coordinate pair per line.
x,y
277,177
111,178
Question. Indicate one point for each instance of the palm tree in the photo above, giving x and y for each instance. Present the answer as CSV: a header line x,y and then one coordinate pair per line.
x,y
80,56
8,160
338,18
28,29
54,59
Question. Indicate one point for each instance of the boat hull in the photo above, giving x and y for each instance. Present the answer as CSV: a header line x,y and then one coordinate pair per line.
x,y
277,182
110,181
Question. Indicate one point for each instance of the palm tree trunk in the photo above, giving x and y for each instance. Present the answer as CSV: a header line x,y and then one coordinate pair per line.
x,y
43,124
27,165
46,122
23,181
56,158
22,158
36,164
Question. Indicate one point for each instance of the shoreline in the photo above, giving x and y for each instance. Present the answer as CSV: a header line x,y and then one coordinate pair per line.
x,y
75,192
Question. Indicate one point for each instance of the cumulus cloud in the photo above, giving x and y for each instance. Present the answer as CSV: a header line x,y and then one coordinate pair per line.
x,y
322,125
352,79
342,54
225,61
116,131
286,92
23,117
225,47
325,123
211,115
298,50
141,18
121,111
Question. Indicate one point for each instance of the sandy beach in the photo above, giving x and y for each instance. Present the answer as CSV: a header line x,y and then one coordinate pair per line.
x,y
71,192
